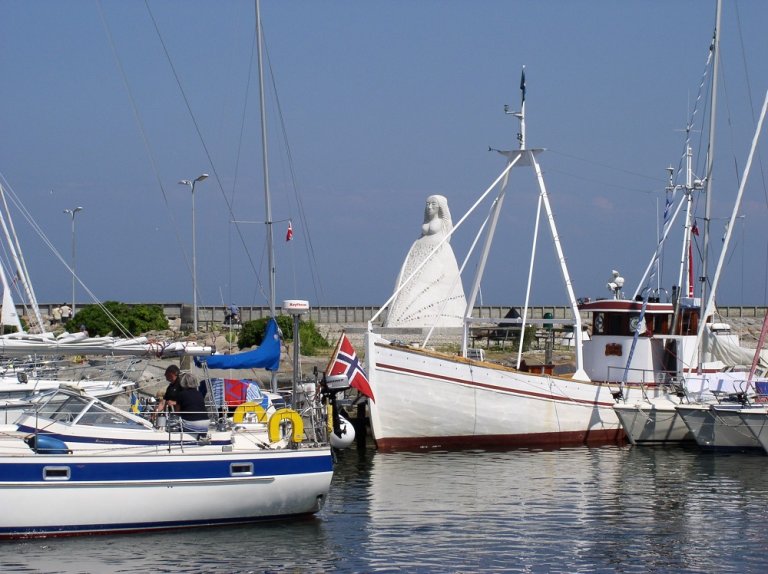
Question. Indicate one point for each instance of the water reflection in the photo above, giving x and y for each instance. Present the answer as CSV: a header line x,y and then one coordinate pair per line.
x,y
612,509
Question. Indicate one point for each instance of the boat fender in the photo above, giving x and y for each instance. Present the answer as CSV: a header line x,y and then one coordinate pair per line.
x,y
347,434
276,420
241,413
46,444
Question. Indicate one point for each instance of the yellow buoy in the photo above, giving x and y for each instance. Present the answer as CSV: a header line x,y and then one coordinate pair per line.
x,y
276,420
245,408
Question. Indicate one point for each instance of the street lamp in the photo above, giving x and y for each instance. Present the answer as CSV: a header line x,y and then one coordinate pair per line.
x,y
71,213
191,184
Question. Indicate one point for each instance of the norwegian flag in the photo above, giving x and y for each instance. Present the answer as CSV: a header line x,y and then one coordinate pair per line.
x,y
289,233
345,362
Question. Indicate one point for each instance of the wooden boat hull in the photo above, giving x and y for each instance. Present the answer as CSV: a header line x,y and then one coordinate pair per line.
x,y
427,400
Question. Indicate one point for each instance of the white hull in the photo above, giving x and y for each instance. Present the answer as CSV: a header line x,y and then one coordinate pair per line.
x,y
715,426
79,466
432,400
756,420
132,493
654,416
653,422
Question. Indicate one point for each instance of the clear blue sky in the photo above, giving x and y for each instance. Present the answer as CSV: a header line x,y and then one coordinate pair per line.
x,y
384,104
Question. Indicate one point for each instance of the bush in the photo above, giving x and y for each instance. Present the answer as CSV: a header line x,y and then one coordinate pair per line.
x,y
252,333
136,319
311,339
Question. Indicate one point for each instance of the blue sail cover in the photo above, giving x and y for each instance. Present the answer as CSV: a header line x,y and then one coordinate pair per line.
x,y
266,356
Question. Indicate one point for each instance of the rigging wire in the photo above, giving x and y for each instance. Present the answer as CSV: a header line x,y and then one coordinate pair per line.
x,y
25,213
205,148
142,129
231,200
306,236
241,137
749,94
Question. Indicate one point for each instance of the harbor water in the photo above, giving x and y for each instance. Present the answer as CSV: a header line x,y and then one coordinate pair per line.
x,y
609,509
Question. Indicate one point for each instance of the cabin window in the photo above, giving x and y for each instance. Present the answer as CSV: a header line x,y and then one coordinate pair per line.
x,y
56,473
98,415
599,323
615,324
241,469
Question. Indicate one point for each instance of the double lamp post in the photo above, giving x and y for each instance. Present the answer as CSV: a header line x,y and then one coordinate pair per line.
x,y
191,184
187,182
72,213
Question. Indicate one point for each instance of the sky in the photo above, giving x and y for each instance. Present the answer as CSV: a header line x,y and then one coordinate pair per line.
x,y
371,107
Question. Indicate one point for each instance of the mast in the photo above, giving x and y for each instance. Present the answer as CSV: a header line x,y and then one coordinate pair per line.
x,y
710,159
709,309
9,315
14,248
265,165
525,156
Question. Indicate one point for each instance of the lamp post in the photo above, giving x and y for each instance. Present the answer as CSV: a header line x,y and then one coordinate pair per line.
x,y
72,213
191,184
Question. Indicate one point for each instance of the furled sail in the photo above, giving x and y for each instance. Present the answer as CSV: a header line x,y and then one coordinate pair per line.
x,y
266,356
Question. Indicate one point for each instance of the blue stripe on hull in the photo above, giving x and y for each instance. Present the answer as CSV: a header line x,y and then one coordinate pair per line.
x,y
85,469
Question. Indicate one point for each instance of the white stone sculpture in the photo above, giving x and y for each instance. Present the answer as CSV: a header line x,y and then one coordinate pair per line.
x,y
434,296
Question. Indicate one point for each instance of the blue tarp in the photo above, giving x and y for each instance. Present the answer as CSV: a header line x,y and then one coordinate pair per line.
x,y
266,356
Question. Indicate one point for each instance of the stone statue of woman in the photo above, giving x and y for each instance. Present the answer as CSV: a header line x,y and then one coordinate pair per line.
x,y
433,295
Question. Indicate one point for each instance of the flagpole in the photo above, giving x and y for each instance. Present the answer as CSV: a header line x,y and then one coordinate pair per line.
x,y
335,353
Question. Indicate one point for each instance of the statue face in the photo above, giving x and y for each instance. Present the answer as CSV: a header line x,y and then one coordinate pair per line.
x,y
432,208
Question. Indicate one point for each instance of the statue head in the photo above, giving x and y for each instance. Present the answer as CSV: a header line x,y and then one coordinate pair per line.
x,y
437,216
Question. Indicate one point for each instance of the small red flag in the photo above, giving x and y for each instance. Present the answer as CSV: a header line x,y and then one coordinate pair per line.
x,y
289,234
695,229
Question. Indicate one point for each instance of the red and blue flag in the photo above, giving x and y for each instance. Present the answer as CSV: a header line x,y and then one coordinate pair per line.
x,y
346,362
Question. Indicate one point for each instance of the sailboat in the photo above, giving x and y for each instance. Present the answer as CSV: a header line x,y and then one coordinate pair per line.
x,y
77,466
427,399
683,363
32,361
715,425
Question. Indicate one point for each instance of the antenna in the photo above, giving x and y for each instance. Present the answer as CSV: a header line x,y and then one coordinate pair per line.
x,y
521,114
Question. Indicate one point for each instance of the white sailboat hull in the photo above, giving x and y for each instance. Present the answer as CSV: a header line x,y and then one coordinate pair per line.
x,y
756,420
718,427
656,421
431,400
59,495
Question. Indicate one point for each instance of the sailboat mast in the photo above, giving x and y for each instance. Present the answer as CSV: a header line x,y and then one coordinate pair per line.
x,y
15,252
710,158
265,165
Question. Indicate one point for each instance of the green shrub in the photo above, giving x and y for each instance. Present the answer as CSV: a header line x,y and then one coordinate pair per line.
x,y
311,339
136,319
252,333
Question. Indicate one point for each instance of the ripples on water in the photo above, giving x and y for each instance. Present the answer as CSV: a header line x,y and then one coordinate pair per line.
x,y
612,509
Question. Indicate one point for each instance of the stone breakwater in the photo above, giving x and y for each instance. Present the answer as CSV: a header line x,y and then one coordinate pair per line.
x,y
748,329
152,381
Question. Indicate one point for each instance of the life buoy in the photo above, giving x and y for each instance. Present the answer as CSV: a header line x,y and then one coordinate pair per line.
x,y
245,408
276,420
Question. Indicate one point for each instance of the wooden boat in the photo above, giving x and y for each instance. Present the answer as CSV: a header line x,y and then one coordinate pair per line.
x,y
427,400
